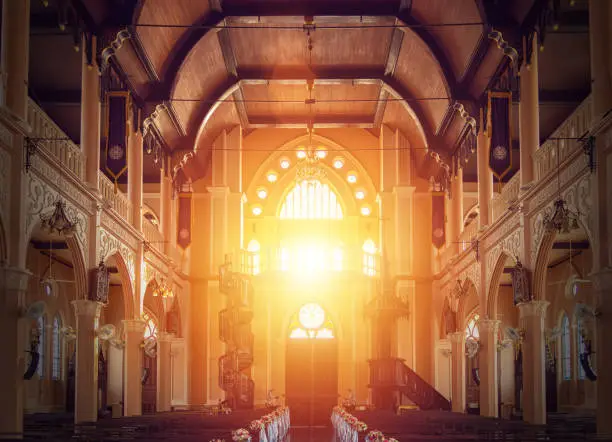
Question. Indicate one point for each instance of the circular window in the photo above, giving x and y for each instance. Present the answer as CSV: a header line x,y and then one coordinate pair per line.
x,y
311,316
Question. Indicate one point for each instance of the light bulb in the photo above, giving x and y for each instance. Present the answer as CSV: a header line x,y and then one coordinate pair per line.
x,y
262,193
272,177
321,154
360,194
284,163
351,178
257,210
301,154
365,211
338,163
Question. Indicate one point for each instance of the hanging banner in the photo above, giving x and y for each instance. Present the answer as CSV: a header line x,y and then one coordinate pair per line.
x,y
438,234
184,220
116,151
499,119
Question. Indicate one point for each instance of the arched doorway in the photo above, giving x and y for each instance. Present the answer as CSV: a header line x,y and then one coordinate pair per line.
x,y
149,364
311,367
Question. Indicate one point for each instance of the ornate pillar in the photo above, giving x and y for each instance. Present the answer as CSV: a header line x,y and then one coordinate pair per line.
x,y
15,55
489,400
132,387
90,114
458,398
86,383
13,288
485,182
135,148
529,123
532,315
603,323
164,374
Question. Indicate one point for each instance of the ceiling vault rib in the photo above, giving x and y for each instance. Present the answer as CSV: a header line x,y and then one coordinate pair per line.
x,y
238,97
142,55
381,105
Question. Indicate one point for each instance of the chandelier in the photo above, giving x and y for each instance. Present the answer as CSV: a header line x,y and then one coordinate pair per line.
x,y
561,218
58,221
308,168
163,290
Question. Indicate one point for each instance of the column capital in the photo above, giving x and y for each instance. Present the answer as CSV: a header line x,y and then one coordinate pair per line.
x,y
533,308
84,307
165,336
489,325
14,278
456,337
134,325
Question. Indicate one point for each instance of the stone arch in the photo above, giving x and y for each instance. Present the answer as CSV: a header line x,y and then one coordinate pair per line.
x,y
493,289
448,322
468,301
126,284
155,304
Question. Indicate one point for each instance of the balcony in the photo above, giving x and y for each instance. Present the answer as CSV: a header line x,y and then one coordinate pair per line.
x,y
47,136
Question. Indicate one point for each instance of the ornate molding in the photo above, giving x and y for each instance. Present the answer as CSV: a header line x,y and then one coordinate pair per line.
x,y
41,196
533,308
6,137
578,198
110,244
511,245
109,222
114,46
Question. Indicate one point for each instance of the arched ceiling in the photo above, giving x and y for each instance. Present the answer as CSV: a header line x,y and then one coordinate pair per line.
x,y
253,54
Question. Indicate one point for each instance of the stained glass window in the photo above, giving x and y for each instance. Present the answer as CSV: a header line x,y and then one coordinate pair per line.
x,y
253,259
311,199
566,359
311,322
471,331
40,324
151,324
579,347
369,258
56,368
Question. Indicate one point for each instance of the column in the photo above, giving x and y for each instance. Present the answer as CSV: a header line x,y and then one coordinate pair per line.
x,y
15,54
529,123
86,383
489,400
532,315
164,373
485,183
132,387
135,149
13,288
90,115
165,203
456,211
457,340
603,323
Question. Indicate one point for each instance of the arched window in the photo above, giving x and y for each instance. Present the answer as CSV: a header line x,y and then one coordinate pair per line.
x,y
56,344
150,325
311,322
253,258
40,325
471,331
311,199
579,347
566,352
369,258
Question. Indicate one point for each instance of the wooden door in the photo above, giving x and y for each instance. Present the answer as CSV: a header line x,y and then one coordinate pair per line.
x,y
149,385
311,380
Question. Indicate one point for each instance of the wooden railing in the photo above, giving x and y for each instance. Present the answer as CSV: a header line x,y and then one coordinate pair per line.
x,y
114,197
152,235
563,141
48,136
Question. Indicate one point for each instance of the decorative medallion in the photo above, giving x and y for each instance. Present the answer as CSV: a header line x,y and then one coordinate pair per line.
x,y
500,153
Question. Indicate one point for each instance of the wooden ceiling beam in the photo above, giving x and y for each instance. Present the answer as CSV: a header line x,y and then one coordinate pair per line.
x,y
301,121
381,105
240,104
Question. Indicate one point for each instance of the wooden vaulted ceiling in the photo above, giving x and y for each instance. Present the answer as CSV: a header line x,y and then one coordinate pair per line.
x,y
200,66
217,64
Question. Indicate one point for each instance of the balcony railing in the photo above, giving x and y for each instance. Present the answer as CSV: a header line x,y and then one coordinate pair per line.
x,y
288,260
52,139
152,235
114,197
469,233
563,141
506,198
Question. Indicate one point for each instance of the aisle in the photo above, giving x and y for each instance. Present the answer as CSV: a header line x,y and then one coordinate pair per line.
x,y
310,434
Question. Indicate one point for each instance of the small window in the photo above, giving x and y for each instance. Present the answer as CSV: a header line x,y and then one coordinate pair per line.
x,y
40,324
579,347
56,371
253,258
566,358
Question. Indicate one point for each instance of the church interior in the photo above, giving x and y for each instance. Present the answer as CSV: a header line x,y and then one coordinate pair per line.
x,y
306,220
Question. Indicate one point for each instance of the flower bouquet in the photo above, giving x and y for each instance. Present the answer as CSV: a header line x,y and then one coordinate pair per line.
x,y
241,435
